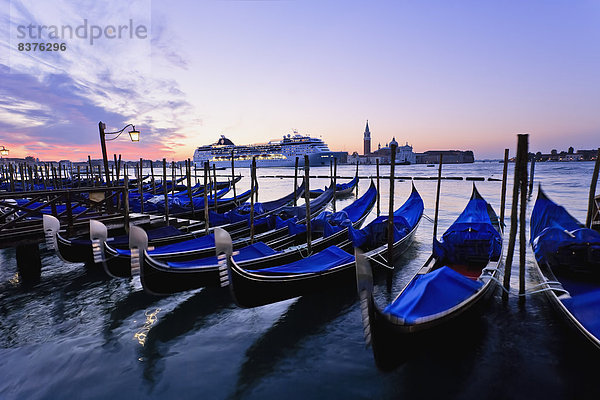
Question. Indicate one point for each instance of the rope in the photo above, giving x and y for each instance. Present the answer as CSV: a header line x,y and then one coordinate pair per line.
x,y
428,218
372,258
559,290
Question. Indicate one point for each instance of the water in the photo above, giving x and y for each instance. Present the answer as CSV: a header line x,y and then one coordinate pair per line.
x,y
78,334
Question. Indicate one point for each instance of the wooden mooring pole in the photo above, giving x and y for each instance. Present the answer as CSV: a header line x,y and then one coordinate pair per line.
x,y
206,189
140,186
503,194
334,183
521,144
592,195
531,173
126,202
307,201
390,230
522,219
357,175
252,184
378,193
296,182
29,264
165,192
233,175
188,170
215,186
437,197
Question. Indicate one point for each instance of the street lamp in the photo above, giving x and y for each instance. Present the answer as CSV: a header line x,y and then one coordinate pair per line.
x,y
3,151
134,135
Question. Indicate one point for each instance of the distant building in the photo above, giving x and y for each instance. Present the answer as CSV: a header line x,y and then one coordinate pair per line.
x,y
367,140
404,155
570,155
450,157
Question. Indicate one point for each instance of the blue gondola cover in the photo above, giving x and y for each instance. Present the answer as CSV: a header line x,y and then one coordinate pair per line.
x,y
432,293
471,237
553,228
250,252
329,258
405,219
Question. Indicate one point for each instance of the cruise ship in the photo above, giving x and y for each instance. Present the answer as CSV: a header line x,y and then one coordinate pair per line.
x,y
276,153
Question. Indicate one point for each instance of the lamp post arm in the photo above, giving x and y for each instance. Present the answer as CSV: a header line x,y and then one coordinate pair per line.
x,y
119,132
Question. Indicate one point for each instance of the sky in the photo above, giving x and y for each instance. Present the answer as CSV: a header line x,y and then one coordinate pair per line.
x,y
465,75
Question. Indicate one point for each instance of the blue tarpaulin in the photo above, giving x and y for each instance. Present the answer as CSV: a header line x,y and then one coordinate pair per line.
x,y
328,222
250,252
329,258
153,234
585,308
203,242
471,237
432,293
405,219
553,228
340,186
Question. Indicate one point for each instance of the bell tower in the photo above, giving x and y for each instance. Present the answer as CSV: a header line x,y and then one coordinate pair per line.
x,y
367,140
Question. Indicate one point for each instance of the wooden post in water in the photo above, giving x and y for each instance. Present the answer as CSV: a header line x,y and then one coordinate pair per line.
x,y
115,173
334,182
513,216
503,195
119,167
307,201
126,202
378,195
165,192
252,184
233,176
140,187
531,173
357,175
173,179
59,174
592,195
188,168
152,174
91,170
437,197
255,184
12,179
206,189
522,218
390,230
215,185
296,182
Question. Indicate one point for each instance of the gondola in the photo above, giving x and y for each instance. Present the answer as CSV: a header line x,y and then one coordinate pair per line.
x,y
459,275
332,267
163,277
79,249
118,262
567,258
341,189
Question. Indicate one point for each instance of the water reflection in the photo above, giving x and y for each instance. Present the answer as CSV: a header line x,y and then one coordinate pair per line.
x,y
188,316
306,317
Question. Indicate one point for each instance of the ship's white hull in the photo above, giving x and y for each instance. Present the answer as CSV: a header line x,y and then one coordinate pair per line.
x,y
315,160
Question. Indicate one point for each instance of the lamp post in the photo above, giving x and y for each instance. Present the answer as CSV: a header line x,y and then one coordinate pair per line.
x,y
3,151
133,134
